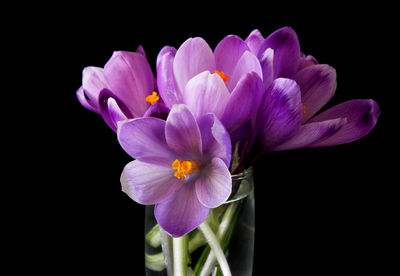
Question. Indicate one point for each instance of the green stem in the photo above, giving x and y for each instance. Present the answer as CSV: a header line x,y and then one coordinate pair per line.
x,y
216,248
153,237
180,254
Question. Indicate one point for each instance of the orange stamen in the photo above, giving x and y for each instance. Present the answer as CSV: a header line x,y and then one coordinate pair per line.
x,y
222,75
183,167
304,110
153,98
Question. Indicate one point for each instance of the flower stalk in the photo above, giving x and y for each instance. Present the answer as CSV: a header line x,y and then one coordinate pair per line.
x,y
180,255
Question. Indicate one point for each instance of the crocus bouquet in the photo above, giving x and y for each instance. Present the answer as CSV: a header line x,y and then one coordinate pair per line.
x,y
196,128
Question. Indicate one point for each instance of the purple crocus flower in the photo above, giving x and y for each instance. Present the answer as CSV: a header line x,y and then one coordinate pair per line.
x,y
181,166
226,82
123,89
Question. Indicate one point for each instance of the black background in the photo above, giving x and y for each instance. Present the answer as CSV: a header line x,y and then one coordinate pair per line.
x,y
318,211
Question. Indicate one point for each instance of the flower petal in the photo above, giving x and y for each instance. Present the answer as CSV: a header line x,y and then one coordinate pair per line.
x,y
228,52
182,132
246,64
243,102
144,138
286,48
279,116
148,183
93,81
85,101
214,185
165,77
306,61
267,65
158,110
113,109
254,41
182,212
215,139
361,116
317,84
313,133
206,93
131,79
193,57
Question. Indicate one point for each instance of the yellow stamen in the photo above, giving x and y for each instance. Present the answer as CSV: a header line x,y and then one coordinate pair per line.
x,y
153,98
222,75
183,167
304,110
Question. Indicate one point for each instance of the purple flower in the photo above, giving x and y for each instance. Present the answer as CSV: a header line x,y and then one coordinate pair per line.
x,y
226,82
297,87
181,166
121,90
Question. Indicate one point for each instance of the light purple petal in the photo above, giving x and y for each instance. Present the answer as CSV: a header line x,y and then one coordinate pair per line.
x,y
140,50
130,78
182,212
214,184
206,93
93,81
317,84
267,66
306,61
361,116
286,48
312,133
165,77
215,139
182,132
144,138
243,102
148,183
279,116
228,52
84,100
254,41
193,57
246,64
113,109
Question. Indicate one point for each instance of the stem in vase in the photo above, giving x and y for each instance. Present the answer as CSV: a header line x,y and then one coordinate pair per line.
x,y
180,253
215,247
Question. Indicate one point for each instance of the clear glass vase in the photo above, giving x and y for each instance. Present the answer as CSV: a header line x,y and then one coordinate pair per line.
x,y
236,239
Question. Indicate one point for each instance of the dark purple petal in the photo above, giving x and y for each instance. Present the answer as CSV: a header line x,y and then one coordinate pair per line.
x,y
165,77
182,212
286,48
84,100
148,183
140,50
317,84
214,185
279,116
93,81
158,110
313,133
361,117
144,138
267,66
215,139
228,52
254,41
130,78
206,93
193,57
182,132
112,109
246,64
306,61
243,102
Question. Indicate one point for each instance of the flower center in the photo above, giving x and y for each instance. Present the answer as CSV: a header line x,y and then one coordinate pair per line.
x,y
222,75
153,98
183,167
304,110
